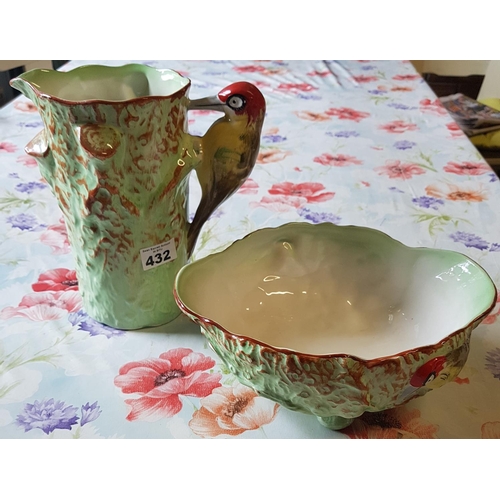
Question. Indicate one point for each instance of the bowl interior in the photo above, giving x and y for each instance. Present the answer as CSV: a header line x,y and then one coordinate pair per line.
x,y
323,289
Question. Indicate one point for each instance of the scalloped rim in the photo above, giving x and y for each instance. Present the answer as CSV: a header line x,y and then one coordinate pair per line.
x,y
136,100
368,362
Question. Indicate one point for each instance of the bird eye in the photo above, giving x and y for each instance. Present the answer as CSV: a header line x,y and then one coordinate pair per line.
x,y
236,102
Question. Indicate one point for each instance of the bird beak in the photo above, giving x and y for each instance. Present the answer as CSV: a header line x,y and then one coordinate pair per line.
x,y
213,103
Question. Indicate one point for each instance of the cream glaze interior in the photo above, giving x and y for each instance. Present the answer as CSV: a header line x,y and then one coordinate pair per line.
x,y
323,289
95,82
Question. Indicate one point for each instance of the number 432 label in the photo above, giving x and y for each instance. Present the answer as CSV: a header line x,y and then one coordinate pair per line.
x,y
158,255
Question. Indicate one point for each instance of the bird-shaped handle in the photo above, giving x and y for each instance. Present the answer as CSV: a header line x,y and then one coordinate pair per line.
x,y
229,148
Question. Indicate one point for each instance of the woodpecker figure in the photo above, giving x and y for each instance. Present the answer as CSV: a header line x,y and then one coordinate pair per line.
x,y
229,149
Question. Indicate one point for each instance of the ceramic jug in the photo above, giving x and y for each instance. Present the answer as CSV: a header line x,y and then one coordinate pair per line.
x,y
117,154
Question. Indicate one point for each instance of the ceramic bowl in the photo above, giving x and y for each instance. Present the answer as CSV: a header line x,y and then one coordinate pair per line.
x,y
336,320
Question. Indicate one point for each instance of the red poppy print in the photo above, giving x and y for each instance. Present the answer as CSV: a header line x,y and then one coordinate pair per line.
x,y
395,169
406,78
232,411
337,160
398,127
161,381
296,87
313,192
7,147
321,74
56,236
249,187
26,106
455,130
493,316
365,78
402,89
44,306
452,192
250,69
280,203
56,280
398,423
467,168
313,117
490,430
272,155
27,161
347,114
434,107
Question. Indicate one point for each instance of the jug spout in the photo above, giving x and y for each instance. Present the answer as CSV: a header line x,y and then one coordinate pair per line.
x,y
22,84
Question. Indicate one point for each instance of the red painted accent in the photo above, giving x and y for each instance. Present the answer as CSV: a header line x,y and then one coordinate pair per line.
x,y
255,102
435,365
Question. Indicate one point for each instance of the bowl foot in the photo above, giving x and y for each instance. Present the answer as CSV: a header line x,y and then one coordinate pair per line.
x,y
335,423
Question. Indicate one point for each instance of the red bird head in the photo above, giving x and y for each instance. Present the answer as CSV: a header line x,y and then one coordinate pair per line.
x,y
244,98
240,98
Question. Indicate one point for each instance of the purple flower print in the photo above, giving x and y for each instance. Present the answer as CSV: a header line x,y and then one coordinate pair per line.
x,y
29,187
428,202
395,189
318,217
309,97
493,178
273,138
404,145
86,324
47,416
25,222
31,124
368,67
470,240
377,92
14,175
493,362
397,105
347,133
495,247
90,412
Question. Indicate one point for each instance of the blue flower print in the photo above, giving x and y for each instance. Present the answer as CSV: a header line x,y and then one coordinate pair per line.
x,y
404,145
86,324
368,67
428,202
29,187
31,124
90,412
25,222
397,105
377,92
347,133
470,240
273,138
495,247
493,362
47,415
309,97
317,217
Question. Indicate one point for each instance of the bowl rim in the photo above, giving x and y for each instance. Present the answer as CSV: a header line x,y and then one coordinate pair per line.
x,y
368,362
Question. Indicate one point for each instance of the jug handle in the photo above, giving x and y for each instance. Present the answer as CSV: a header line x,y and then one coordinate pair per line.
x,y
229,149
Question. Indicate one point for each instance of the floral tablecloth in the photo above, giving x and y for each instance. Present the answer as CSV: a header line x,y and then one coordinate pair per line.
x,y
350,142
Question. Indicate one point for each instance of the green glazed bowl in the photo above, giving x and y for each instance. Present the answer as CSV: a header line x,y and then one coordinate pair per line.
x,y
334,320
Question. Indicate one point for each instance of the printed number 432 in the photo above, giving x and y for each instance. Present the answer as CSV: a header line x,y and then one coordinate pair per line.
x,y
158,258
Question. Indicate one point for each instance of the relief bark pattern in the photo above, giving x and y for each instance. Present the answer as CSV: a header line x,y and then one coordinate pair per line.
x,y
118,173
341,387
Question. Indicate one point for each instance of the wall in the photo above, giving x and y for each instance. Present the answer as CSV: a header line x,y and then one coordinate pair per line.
x,y
452,68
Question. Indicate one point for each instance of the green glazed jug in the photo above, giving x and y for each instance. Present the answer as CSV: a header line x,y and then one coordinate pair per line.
x,y
117,155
